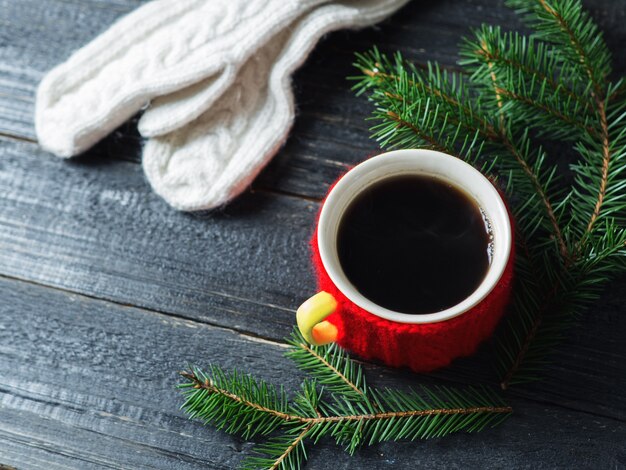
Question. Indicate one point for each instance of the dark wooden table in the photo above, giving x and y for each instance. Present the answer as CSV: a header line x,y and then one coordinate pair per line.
x,y
106,292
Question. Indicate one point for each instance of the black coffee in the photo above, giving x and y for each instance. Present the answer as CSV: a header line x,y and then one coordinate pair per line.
x,y
414,244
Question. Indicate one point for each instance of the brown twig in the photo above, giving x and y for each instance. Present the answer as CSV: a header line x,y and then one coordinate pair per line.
x,y
552,111
606,159
556,86
598,96
526,168
211,388
565,254
331,367
488,128
402,123
291,447
519,358
494,80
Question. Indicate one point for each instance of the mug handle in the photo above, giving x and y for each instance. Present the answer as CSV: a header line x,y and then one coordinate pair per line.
x,y
310,317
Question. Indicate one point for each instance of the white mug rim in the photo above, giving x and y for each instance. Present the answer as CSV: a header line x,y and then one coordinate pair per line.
x,y
424,162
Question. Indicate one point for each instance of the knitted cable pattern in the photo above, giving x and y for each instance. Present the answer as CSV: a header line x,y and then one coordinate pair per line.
x,y
214,76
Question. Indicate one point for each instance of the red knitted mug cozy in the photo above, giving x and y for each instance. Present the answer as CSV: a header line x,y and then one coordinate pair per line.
x,y
422,347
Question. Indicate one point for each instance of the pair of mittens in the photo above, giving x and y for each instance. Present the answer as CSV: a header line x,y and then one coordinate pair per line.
x,y
213,77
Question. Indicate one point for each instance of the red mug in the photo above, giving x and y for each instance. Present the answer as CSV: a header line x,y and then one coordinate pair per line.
x,y
340,313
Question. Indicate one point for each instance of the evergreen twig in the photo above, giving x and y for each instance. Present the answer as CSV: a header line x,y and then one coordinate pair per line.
x,y
552,85
330,365
335,403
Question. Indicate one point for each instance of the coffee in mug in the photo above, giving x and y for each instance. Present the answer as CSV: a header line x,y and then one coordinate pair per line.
x,y
414,244
413,253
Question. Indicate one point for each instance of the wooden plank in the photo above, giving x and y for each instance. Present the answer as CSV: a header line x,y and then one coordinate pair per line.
x,y
96,228
100,229
89,384
34,39
36,233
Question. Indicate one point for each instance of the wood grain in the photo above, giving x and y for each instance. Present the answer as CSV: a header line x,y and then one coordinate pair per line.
x,y
97,228
88,384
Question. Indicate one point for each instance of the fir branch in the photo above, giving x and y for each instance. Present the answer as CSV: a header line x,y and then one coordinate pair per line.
x,y
516,151
422,108
565,24
526,69
403,108
540,105
330,365
280,452
398,403
209,394
379,71
525,166
529,292
426,137
520,55
528,322
352,413
566,13
553,85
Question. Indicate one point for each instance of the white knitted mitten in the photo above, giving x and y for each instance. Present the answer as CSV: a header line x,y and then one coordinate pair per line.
x,y
216,75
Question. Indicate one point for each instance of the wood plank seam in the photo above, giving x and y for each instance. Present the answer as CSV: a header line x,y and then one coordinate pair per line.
x,y
171,315
284,193
5,135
